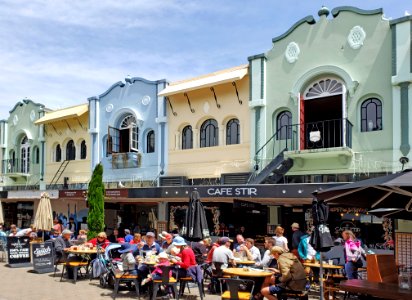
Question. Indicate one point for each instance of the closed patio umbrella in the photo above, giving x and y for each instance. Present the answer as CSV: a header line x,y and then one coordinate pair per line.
x,y
195,227
1,214
44,214
321,240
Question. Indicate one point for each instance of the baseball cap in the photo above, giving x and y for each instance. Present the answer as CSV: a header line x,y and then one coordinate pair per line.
x,y
225,239
66,231
151,234
295,225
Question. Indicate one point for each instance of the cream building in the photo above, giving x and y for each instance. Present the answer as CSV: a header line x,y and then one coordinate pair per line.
x,y
208,121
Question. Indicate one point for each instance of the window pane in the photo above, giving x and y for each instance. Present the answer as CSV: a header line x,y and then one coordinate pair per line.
x,y
187,137
83,150
209,134
232,132
70,151
371,115
284,125
150,142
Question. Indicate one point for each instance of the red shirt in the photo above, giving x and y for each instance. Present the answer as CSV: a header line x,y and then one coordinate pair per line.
x,y
188,258
102,244
210,254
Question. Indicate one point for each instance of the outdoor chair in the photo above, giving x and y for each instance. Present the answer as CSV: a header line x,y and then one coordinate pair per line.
x,y
125,278
167,281
76,266
196,276
237,289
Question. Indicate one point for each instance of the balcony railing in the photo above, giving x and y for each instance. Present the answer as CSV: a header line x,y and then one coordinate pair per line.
x,y
126,160
14,166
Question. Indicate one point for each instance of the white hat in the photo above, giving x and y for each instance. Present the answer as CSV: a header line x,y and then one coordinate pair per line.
x,y
163,255
163,234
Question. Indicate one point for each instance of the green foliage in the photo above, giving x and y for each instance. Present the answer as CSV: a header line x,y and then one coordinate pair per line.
x,y
95,200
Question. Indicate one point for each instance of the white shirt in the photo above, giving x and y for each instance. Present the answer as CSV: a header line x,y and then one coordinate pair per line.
x,y
281,241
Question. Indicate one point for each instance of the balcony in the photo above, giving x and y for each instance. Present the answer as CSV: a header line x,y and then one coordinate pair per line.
x,y
14,168
125,160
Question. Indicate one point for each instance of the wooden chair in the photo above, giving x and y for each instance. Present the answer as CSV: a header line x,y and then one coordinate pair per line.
x,y
167,281
382,268
121,277
76,266
237,289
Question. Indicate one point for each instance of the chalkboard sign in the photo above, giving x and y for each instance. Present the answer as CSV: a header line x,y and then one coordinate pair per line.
x,y
18,251
43,257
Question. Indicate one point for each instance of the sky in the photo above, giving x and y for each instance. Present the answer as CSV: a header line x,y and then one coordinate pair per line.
x,y
61,52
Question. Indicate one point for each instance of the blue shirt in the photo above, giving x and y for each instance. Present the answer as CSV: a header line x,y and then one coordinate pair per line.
x,y
128,238
155,245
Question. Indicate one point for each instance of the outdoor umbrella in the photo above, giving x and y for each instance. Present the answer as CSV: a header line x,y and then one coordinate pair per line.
x,y
390,191
1,214
394,213
321,240
195,227
44,214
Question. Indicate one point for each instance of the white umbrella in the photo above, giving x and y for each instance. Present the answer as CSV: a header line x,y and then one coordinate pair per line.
x,y
44,214
1,214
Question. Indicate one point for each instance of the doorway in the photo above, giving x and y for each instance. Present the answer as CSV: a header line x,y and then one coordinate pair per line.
x,y
322,115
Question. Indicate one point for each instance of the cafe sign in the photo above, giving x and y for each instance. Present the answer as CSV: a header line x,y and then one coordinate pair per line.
x,y
18,251
43,257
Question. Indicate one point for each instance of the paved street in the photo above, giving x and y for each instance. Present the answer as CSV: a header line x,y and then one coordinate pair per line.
x,y
22,284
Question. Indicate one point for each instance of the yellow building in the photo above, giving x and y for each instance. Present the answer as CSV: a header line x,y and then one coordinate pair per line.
x,y
67,153
208,126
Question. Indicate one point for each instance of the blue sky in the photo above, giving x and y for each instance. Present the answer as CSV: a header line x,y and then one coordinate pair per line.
x,y
59,53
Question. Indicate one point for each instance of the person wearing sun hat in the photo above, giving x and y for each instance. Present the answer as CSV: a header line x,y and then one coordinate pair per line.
x,y
128,260
157,272
186,255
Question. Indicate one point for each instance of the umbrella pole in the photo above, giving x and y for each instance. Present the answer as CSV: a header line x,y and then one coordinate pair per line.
x,y
321,277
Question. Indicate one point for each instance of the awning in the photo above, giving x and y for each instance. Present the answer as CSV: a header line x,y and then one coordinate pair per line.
x,y
208,80
66,113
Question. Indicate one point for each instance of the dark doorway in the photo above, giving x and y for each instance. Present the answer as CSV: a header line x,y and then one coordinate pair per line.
x,y
323,122
124,140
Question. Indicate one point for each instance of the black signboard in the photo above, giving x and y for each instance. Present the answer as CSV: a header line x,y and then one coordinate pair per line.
x,y
43,257
18,251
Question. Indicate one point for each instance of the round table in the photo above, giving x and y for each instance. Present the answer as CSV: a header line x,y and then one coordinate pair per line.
x,y
81,251
325,266
245,262
241,272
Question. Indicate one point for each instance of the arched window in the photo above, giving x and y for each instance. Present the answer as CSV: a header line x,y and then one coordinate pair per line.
x,y
232,132
70,151
58,153
371,115
25,155
36,153
83,150
209,135
150,141
284,125
187,137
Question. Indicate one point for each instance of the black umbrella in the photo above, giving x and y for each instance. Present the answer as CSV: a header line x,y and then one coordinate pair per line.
x,y
390,191
195,227
321,240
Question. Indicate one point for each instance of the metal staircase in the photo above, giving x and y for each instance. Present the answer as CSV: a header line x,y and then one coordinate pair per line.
x,y
59,172
270,163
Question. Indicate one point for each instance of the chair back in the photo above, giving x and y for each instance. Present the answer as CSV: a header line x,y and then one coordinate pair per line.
x,y
234,286
165,273
217,269
382,268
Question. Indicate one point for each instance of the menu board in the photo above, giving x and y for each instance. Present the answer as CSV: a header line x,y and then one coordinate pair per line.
x,y
43,257
18,251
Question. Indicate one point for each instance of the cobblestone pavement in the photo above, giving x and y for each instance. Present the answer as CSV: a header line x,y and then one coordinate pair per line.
x,y
23,284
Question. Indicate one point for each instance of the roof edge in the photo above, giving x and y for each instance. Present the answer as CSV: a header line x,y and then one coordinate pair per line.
x,y
261,55
25,101
400,20
335,12
119,83
308,19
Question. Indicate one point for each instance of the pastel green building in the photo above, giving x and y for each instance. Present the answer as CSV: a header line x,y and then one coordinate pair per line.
x,y
330,100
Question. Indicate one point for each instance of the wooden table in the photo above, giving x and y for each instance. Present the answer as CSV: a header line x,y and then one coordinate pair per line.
x,y
84,253
378,289
241,272
325,266
80,251
245,262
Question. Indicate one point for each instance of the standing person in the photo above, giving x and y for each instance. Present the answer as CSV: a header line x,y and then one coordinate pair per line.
x,y
292,277
305,250
353,254
57,226
281,241
186,255
72,226
297,234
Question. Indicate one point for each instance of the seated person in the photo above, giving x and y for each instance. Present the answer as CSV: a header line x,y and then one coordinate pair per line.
x,y
186,255
292,275
150,244
157,272
114,236
268,261
101,240
251,251
128,260
61,243
82,237
200,249
222,256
